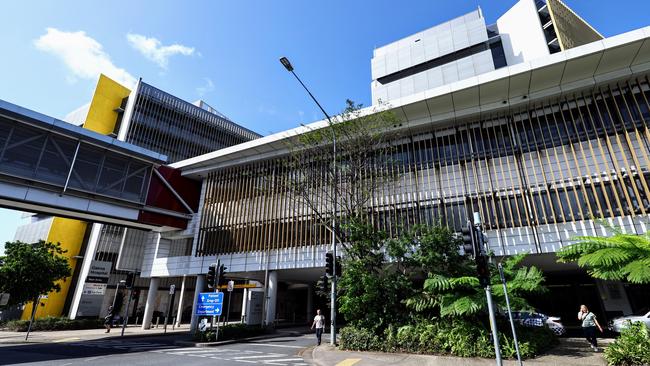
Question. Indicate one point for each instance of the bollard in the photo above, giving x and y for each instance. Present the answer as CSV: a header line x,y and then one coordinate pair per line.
x,y
157,321
136,321
173,322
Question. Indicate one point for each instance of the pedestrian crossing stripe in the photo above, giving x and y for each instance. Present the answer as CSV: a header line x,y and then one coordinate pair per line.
x,y
244,356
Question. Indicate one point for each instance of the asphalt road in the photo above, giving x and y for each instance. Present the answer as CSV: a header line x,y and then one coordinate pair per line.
x,y
157,351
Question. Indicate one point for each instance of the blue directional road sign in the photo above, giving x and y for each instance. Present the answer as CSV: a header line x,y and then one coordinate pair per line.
x,y
210,303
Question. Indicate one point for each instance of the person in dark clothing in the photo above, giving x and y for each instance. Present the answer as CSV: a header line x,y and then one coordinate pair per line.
x,y
108,319
589,324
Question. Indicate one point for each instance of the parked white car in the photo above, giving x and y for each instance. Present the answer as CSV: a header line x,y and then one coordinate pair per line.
x,y
618,324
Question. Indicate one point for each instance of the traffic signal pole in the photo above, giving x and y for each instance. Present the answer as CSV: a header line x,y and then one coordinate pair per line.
x,y
481,252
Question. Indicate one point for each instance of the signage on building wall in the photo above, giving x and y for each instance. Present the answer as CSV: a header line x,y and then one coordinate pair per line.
x,y
94,289
92,295
99,272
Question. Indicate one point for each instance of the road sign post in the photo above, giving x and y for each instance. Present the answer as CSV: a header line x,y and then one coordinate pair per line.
x,y
210,304
35,305
126,312
512,322
231,286
172,289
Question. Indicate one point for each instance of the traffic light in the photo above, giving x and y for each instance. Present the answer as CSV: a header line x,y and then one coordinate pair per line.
x,y
324,285
211,276
221,276
469,239
130,279
329,263
482,270
339,269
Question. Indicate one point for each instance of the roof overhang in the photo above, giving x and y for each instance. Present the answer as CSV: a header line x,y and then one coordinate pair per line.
x,y
578,68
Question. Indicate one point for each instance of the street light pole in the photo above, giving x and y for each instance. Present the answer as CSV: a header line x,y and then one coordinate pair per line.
x,y
287,65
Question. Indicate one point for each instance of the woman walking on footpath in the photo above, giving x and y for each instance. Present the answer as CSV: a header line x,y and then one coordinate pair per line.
x,y
319,324
589,324
108,319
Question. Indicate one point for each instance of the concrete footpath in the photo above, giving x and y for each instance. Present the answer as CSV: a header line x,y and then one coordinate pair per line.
x,y
8,337
570,352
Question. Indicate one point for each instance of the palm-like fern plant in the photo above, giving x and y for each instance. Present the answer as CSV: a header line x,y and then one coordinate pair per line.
x,y
618,257
464,296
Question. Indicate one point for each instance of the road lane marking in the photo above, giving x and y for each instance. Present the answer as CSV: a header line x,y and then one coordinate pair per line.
x,y
66,339
259,356
277,362
194,351
276,345
348,362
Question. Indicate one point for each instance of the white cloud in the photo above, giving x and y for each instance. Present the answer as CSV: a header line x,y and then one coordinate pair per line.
x,y
152,49
270,110
83,55
205,88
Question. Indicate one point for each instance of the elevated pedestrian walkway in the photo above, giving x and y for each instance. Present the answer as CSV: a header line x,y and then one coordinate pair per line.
x,y
53,167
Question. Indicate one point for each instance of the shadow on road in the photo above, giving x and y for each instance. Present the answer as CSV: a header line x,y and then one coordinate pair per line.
x,y
43,352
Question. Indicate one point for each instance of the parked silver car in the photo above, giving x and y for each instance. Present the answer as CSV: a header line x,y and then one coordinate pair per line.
x,y
618,324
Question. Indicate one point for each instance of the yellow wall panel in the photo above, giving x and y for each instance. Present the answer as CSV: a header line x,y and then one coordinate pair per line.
x,y
108,96
70,234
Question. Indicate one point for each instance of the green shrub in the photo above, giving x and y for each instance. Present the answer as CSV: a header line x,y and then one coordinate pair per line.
x,y
358,339
457,337
631,348
230,331
54,323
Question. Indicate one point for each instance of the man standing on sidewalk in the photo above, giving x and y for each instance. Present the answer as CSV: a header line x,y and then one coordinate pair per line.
x,y
319,324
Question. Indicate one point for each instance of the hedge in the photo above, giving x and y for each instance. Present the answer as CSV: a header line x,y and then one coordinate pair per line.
x,y
460,338
54,323
631,348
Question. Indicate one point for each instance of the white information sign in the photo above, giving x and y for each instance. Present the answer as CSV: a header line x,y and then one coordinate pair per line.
x,y
94,289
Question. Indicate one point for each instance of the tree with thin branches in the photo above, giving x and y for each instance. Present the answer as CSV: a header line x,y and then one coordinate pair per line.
x,y
345,183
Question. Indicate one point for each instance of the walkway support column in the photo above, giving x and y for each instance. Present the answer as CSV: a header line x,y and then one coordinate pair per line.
x,y
200,285
179,313
272,297
151,302
310,302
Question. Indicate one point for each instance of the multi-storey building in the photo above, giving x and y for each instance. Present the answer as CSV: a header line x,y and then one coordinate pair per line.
x,y
154,120
536,122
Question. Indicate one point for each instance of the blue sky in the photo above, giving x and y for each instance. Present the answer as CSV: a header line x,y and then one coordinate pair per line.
x,y
226,52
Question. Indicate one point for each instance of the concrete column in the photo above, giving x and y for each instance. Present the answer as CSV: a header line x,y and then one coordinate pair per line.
x,y
88,255
151,302
271,297
310,302
200,285
179,313
243,306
